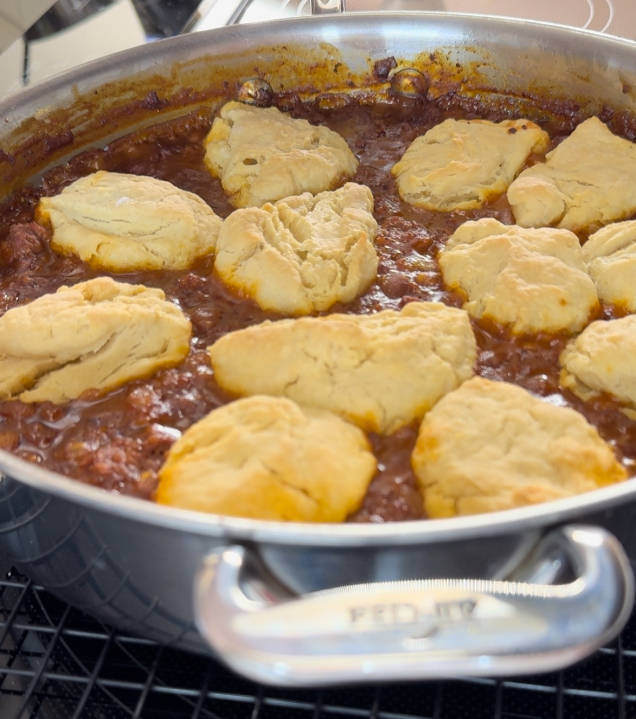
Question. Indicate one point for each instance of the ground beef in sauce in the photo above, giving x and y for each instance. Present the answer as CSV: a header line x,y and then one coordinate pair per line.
x,y
119,441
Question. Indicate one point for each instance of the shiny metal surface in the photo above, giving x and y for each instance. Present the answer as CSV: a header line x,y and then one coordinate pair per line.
x,y
616,17
327,7
134,564
216,13
417,629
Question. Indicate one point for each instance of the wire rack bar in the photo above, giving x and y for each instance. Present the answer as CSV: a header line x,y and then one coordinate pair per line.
x,y
56,662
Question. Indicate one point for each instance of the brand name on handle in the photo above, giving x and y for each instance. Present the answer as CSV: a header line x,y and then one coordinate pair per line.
x,y
392,613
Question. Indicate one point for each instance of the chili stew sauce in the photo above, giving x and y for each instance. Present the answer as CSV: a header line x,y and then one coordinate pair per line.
x,y
119,441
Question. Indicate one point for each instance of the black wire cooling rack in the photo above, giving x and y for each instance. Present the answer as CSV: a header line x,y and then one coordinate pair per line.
x,y
58,663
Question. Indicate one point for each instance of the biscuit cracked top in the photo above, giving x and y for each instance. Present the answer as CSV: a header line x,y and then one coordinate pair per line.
x,y
587,181
489,446
93,335
303,253
268,458
123,222
380,371
601,359
610,256
461,164
534,280
262,155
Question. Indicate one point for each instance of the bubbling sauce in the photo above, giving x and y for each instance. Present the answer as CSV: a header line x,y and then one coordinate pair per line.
x,y
119,441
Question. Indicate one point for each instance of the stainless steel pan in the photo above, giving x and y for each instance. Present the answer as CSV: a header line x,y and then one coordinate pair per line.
x,y
520,591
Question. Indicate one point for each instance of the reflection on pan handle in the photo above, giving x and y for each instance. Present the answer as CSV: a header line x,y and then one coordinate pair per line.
x,y
415,629
327,7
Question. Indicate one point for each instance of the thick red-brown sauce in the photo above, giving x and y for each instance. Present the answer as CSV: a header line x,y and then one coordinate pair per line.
x,y
119,441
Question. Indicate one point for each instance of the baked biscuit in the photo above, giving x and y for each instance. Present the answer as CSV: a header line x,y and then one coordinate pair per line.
x,y
268,458
121,223
534,280
587,181
601,359
610,256
462,164
489,446
262,155
379,371
94,335
304,253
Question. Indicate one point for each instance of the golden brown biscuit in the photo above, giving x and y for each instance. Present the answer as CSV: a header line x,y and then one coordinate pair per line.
x,y
302,254
489,446
534,280
262,155
587,181
379,371
610,256
122,222
601,359
268,458
461,164
94,335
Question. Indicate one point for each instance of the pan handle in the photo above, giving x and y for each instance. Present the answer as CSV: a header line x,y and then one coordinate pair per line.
x,y
416,629
327,7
